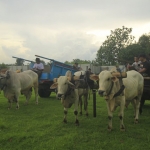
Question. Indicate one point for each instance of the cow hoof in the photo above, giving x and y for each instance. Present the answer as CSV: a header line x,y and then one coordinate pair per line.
x,y
136,121
77,122
122,129
64,121
17,107
109,129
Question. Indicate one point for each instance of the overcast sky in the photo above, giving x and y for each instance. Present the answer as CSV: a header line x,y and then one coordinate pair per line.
x,y
65,29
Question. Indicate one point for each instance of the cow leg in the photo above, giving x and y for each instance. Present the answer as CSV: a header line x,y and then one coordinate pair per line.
x,y
86,104
136,105
17,103
10,103
80,104
142,103
110,115
28,96
36,93
133,102
76,112
17,98
65,115
121,114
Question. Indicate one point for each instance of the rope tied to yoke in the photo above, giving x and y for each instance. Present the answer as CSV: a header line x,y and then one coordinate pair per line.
x,y
122,87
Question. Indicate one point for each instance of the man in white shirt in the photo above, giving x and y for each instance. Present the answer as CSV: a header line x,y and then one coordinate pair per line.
x,y
135,65
38,67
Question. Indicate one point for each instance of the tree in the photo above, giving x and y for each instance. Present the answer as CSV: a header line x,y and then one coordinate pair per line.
x,y
19,62
144,42
112,46
128,53
2,66
79,61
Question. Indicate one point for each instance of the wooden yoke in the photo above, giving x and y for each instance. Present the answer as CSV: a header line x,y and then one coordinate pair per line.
x,y
76,78
119,74
148,78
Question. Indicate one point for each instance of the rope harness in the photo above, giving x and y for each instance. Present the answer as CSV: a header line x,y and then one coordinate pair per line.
x,y
122,87
69,90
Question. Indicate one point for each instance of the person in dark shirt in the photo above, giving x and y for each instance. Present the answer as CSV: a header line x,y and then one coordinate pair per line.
x,y
145,65
89,70
75,66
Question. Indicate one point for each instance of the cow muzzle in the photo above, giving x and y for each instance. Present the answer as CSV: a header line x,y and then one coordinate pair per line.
x,y
60,95
101,93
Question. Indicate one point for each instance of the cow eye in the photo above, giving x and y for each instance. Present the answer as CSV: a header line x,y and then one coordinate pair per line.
x,y
108,79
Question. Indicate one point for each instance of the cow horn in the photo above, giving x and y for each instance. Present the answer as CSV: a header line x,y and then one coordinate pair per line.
x,y
69,78
120,74
55,79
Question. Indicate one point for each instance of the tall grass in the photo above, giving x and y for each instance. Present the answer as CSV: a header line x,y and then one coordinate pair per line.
x,y
40,127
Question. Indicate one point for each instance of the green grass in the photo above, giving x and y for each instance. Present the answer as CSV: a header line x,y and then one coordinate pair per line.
x,y
40,127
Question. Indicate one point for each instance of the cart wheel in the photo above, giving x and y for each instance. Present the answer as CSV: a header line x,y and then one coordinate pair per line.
x,y
44,93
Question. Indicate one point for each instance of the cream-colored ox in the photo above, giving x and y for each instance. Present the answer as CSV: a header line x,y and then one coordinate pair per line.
x,y
69,94
120,92
13,84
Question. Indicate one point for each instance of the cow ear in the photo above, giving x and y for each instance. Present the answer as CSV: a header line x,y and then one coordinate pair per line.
x,y
94,77
114,79
54,86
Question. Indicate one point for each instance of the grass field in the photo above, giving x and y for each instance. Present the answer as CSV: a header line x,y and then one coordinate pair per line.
x,y
40,127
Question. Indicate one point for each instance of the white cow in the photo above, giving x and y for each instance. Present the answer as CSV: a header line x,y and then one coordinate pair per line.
x,y
69,94
109,85
13,84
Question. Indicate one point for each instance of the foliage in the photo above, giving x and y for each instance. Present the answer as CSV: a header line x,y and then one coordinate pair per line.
x,y
129,52
144,42
112,46
79,61
2,66
19,62
36,127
